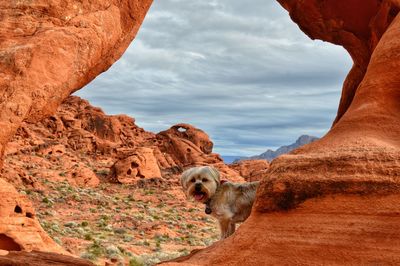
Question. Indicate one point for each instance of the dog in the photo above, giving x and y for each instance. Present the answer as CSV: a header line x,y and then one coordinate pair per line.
x,y
229,202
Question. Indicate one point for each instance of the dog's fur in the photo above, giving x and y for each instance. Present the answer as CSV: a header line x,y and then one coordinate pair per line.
x,y
230,203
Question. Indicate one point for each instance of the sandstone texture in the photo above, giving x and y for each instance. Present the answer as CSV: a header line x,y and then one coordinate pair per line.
x,y
70,144
184,146
36,258
334,201
49,49
19,229
251,170
141,165
335,230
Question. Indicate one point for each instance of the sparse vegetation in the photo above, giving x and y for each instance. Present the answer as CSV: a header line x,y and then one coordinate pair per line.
x,y
143,227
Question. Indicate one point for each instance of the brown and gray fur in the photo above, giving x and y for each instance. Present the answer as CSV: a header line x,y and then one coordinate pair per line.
x,y
229,202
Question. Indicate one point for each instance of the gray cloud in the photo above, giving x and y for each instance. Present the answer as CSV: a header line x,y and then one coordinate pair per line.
x,y
243,73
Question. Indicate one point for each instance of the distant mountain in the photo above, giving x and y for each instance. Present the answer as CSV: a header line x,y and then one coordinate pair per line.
x,y
231,158
270,154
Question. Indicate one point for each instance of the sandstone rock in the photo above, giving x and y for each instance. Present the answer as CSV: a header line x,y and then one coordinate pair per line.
x,y
78,134
50,49
84,177
336,230
36,258
141,165
57,150
184,146
19,229
187,145
251,170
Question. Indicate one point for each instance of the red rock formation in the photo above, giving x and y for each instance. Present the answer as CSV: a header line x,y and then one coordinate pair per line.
x,y
79,135
19,229
336,230
49,49
251,170
334,201
36,258
187,145
141,165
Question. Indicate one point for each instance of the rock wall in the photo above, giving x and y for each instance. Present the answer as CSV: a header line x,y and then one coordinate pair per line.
x,y
49,49
79,141
334,201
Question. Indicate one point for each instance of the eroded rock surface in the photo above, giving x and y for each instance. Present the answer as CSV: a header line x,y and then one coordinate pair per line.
x,y
19,229
141,165
251,170
335,230
67,145
36,258
49,49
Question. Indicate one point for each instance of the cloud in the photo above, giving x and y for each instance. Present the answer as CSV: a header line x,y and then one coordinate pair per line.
x,y
242,72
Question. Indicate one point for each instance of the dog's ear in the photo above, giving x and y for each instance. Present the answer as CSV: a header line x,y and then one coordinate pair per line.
x,y
214,173
185,177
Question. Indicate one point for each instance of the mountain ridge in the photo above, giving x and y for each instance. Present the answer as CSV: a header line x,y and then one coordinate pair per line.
x,y
269,155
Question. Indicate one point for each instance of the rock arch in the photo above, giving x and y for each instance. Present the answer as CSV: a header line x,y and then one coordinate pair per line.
x,y
48,50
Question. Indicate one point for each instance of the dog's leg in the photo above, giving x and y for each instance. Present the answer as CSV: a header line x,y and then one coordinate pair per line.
x,y
224,226
227,228
232,228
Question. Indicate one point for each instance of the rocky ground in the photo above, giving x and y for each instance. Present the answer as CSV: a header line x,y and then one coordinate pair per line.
x,y
121,223
112,222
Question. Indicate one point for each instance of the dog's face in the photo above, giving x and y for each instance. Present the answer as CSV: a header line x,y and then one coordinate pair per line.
x,y
200,183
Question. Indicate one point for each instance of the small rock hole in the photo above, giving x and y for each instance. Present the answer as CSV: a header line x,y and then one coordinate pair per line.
x,y
17,209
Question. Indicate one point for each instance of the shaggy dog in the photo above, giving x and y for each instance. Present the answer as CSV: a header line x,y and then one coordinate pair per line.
x,y
229,202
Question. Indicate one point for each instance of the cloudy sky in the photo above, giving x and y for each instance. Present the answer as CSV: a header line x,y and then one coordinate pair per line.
x,y
242,72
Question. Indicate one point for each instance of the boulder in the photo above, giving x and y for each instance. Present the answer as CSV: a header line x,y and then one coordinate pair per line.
x,y
140,165
251,170
19,229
